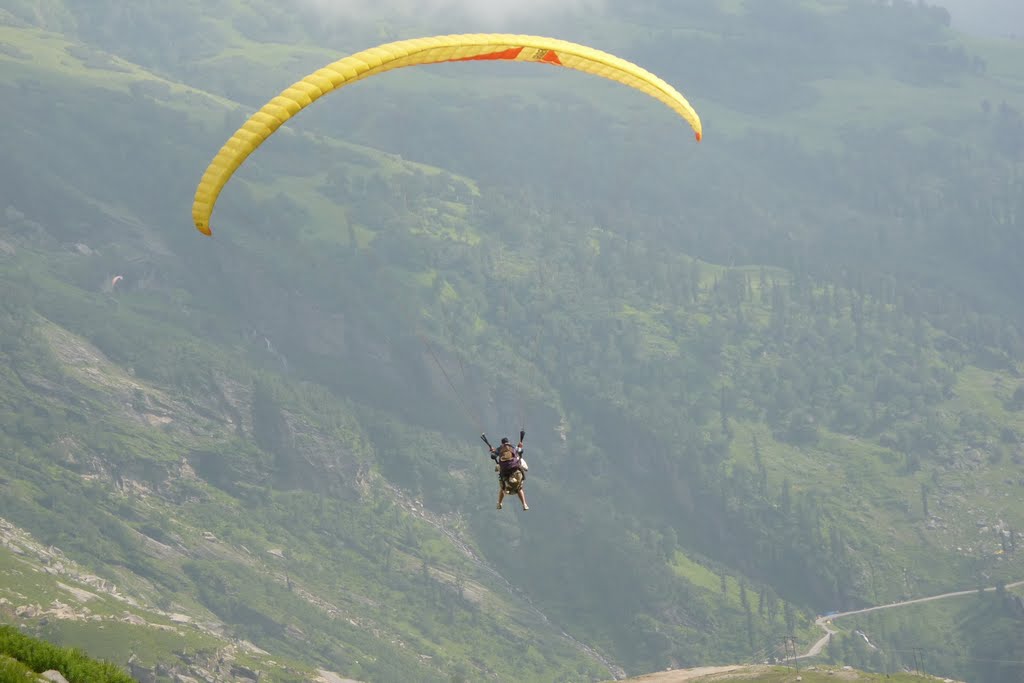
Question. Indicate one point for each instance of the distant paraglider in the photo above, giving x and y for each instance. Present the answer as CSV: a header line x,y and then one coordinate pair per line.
x,y
453,48
113,283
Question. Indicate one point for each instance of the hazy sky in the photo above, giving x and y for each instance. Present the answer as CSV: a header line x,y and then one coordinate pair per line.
x,y
996,17
992,17
488,11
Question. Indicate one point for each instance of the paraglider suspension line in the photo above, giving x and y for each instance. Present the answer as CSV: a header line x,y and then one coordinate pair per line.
x,y
473,417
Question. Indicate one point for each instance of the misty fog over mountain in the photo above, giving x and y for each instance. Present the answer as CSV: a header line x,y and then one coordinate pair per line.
x,y
1001,18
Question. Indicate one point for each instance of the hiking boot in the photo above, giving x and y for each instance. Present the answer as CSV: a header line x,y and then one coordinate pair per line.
x,y
525,508
499,506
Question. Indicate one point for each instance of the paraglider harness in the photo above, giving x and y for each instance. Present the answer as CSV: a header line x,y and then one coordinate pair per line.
x,y
509,462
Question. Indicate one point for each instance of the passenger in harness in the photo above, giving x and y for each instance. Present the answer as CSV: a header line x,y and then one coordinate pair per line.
x,y
511,468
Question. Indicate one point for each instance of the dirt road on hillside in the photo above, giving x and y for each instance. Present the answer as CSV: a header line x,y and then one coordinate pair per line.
x,y
677,675
825,621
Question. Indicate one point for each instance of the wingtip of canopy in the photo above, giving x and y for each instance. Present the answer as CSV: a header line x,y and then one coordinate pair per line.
x,y
699,135
205,229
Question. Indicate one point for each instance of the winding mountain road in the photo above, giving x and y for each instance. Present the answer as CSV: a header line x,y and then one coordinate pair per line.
x,y
679,675
825,621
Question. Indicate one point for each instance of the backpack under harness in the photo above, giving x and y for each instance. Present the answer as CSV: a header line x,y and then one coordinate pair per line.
x,y
508,459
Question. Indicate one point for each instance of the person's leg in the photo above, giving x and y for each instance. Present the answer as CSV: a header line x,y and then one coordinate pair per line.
x,y
522,498
501,493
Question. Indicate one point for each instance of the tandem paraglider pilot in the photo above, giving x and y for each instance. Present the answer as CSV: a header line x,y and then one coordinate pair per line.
x,y
511,468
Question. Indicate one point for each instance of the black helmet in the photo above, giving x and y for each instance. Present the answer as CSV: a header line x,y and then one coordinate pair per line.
x,y
504,440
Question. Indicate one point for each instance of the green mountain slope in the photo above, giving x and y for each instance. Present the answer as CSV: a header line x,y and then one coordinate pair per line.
x,y
273,430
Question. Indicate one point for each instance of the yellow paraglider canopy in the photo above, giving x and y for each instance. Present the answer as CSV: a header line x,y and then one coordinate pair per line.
x,y
454,48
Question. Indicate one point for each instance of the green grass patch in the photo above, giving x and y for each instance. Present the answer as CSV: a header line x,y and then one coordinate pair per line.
x,y
40,656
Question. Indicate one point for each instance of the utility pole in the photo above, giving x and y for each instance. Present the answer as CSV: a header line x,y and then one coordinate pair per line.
x,y
918,655
789,647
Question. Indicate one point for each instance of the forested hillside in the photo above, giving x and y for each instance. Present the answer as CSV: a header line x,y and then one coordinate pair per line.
x,y
764,377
